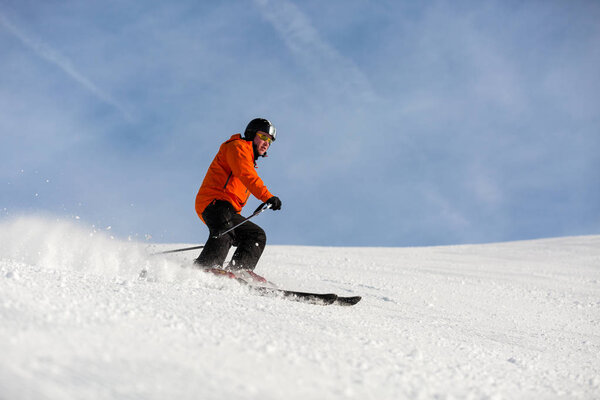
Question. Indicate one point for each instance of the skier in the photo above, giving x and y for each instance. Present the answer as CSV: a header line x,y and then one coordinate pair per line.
x,y
228,183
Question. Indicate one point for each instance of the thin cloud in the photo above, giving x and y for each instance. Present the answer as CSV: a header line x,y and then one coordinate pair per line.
x,y
304,41
53,57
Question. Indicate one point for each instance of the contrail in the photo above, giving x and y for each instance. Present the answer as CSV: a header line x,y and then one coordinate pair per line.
x,y
52,56
301,37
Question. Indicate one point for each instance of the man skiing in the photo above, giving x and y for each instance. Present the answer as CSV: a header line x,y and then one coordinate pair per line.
x,y
228,183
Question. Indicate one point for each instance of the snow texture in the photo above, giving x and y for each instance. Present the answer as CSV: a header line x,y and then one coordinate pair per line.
x,y
513,320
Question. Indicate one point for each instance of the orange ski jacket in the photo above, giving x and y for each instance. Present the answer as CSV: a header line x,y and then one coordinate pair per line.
x,y
232,177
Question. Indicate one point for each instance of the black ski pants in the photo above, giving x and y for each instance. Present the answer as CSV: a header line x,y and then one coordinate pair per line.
x,y
249,238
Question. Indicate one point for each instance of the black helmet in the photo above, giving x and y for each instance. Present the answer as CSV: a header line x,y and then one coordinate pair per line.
x,y
259,124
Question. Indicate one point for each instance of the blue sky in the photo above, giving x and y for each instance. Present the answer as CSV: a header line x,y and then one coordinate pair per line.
x,y
399,122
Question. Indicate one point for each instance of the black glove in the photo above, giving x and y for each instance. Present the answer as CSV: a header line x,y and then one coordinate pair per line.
x,y
275,203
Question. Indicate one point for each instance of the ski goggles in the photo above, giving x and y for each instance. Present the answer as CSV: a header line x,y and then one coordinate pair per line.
x,y
265,137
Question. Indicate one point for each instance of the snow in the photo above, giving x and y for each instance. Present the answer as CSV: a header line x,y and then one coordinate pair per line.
x,y
513,320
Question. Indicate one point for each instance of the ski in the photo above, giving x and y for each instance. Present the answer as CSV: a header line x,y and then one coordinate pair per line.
x,y
258,284
263,287
256,281
309,297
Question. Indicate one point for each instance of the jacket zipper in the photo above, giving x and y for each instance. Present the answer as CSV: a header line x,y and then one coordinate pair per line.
x,y
227,181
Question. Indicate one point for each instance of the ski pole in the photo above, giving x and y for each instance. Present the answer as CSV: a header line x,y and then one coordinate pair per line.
x,y
177,250
258,210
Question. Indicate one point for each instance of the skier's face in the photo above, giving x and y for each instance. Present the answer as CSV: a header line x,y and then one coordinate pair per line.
x,y
262,141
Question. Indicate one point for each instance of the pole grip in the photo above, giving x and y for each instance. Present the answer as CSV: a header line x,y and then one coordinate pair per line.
x,y
261,208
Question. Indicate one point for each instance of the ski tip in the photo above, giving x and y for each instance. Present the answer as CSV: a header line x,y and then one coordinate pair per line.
x,y
348,301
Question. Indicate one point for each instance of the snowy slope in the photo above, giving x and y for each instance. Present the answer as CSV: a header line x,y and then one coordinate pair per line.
x,y
498,321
